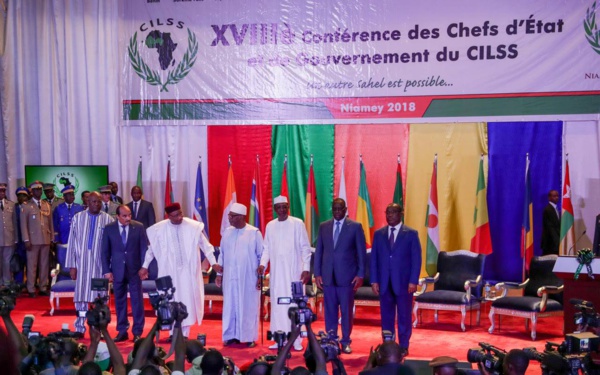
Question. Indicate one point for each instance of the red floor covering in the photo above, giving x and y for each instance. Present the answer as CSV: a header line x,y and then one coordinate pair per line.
x,y
429,340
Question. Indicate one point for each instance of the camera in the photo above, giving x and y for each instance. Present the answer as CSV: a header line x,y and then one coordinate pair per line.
x,y
27,324
279,337
99,313
554,360
301,314
202,338
8,298
166,310
586,315
387,335
489,356
330,343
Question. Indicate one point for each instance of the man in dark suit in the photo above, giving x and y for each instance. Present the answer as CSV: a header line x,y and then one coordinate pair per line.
x,y
395,269
141,210
340,268
551,225
124,245
114,189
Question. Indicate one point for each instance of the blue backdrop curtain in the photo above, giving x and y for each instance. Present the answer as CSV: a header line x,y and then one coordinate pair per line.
x,y
509,142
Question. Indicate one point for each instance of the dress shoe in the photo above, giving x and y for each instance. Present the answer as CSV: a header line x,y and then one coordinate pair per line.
x,y
346,349
251,344
404,352
31,295
230,342
136,338
169,339
122,336
44,293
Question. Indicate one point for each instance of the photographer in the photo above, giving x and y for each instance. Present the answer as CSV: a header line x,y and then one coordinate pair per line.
x,y
315,348
140,363
387,358
115,355
515,363
194,351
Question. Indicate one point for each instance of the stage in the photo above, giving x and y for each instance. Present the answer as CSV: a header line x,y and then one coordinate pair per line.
x,y
428,340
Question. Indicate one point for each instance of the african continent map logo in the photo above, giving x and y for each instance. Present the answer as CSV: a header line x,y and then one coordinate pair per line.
x,y
164,46
591,28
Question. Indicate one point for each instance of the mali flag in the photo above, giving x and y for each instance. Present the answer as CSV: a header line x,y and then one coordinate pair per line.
x,y
364,213
482,241
527,227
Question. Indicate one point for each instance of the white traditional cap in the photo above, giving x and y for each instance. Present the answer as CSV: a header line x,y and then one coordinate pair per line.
x,y
280,199
238,208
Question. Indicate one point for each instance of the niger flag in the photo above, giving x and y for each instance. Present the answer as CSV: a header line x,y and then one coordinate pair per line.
x,y
481,242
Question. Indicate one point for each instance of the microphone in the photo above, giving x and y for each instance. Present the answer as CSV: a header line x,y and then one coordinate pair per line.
x,y
575,244
582,302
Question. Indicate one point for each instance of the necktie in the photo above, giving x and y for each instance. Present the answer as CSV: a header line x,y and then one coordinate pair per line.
x,y
391,238
135,204
106,207
123,235
336,233
2,205
39,205
69,207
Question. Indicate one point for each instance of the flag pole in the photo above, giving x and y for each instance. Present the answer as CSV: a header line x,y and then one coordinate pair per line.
x,y
524,239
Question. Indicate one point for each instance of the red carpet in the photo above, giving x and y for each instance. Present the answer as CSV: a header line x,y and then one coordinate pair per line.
x,y
428,340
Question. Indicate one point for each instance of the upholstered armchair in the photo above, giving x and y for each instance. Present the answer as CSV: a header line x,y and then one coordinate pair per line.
x,y
542,295
456,286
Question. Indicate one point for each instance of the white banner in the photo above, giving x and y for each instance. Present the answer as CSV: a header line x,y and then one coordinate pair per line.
x,y
272,59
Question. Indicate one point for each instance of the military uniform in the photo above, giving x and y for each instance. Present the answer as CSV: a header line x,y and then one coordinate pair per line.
x,y
56,200
37,229
8,237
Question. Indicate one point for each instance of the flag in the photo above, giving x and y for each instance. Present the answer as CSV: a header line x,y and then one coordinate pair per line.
x,y
342,189
398,195
139,175
567,229
482,241
311,214
230,199
364,214
199,202
284,187
168,188
432,224
527,226
257,214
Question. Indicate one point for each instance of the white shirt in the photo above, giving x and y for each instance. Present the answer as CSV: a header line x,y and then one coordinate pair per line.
x,y
396,230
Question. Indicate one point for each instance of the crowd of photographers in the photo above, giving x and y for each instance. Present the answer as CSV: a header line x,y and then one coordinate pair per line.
x,y
26,351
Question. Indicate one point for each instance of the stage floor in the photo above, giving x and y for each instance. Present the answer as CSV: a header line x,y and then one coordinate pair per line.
x,y
429,339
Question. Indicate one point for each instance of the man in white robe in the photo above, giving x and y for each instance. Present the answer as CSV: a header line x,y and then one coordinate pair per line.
x,y
174,243
241,249
286,246
84,254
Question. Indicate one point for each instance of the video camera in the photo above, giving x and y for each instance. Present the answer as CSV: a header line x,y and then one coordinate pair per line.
x,y
166,310
489,356
8,298
300,314
586,316
99,313
330,343
573,354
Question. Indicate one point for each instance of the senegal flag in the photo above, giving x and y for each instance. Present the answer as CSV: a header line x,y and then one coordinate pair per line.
x,y
481,242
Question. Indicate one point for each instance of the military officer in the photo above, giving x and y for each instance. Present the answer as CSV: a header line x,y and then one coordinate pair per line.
x,y
8,235
38,233
50,197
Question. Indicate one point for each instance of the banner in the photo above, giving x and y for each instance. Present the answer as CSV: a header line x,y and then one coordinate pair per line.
x,y
185,62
